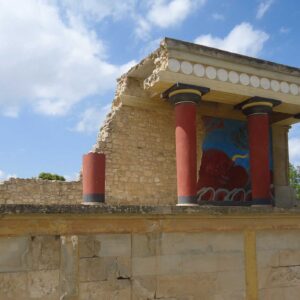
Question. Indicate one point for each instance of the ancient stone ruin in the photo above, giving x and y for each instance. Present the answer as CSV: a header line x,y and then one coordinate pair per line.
x,y
185,194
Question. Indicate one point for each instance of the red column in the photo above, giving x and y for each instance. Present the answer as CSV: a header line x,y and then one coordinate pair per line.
x,y
258,132
186,152
185,97
93,177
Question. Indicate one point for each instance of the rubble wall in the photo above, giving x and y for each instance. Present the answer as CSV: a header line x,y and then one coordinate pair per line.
x,y
139,144
37,191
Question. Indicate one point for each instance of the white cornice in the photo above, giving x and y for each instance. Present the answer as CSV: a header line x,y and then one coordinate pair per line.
x,y
227,75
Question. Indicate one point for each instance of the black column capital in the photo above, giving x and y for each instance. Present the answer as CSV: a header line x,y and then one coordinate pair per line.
x,y
180,92
257,105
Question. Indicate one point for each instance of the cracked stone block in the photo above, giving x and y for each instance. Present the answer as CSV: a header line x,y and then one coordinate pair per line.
x,y
284,239
45,252
89,246
114,245
145,244
44,284
13,286
15,254
108,290
279,277
201,243
192,286
104,268
289,257
96,269
143,287
69,267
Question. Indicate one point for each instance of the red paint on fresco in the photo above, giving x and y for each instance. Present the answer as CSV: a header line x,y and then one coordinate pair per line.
x,y
219,172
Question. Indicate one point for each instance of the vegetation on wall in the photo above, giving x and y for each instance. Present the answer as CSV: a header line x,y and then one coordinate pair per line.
x,y
294,174
50,176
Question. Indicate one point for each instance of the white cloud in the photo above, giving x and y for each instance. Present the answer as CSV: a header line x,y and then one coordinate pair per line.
x,y
4,176
263,7
91,119
165,14
74,177
218,17
242,39
169,13
294,151
50,61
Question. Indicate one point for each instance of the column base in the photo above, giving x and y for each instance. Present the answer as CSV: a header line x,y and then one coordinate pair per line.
x,y
93,203
259,202
93,198
187,201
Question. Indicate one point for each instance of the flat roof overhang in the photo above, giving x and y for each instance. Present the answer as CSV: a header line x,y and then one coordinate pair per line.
x,y
232,78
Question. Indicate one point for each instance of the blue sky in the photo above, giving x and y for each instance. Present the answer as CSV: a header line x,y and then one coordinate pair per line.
x,y
60,61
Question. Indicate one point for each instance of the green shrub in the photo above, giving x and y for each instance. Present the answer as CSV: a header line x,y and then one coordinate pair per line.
x,y
50,176
294,175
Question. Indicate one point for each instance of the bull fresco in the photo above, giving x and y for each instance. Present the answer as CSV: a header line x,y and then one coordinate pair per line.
x,y
224,173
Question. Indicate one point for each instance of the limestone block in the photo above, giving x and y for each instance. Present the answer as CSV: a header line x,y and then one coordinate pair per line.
x,y
230,281
142,266
106,290
89,246
13,286
230,295
114,245
285,196
171,264
15,254
69,267
104,268
145,244
289,257
271,294
45,252
200,243
279,277
233,261
192,286
286,293
124,267
44,284
143,287
267,258
284,239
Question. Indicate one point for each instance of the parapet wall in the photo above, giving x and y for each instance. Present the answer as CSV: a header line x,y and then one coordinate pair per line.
x,y
147,253
37,191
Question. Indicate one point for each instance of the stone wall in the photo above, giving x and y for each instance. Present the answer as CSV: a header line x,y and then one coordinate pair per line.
x,y
37,191
139,144
278,256
123,266
148,253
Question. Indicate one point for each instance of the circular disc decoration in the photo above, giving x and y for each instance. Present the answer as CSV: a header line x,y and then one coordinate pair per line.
x,y
233,77
173,65
244,79
284,87
222,75
254,81
199,70
211,72
275,85
186,67
265,83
